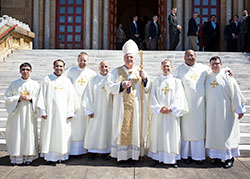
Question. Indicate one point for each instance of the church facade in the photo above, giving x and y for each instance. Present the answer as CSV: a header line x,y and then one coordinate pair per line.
x,y
92,24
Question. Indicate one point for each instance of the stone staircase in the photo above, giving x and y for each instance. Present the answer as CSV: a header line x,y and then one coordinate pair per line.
x,y
42,60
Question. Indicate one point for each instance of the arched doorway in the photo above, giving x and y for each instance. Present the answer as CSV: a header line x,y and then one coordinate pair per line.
x,y
121,12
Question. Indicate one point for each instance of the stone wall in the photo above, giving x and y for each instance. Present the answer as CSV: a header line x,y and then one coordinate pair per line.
x,y
17,38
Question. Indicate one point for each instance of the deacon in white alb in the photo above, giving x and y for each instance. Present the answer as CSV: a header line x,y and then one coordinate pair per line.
x,y
168,102
21,129
224,101
57,107
98,107
79,76
124,83
193,76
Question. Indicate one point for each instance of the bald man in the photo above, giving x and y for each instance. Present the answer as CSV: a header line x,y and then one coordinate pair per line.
x,y
98,108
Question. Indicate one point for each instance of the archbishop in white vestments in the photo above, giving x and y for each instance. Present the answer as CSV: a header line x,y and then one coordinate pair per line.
x,y
21,128
57,107
79,76
98,107
168,102
124,84
224,101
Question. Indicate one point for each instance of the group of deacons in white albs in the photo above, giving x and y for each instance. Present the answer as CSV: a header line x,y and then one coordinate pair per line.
x,y
187,113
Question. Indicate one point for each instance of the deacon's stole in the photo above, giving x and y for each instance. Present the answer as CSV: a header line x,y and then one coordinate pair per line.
x,y
128,102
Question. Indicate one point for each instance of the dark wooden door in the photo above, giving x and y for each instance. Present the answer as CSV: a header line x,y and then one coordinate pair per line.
x,y
206,8
162,24
112,24
69,24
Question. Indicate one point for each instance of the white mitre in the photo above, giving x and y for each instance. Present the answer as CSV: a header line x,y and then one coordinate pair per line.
x,y
130,47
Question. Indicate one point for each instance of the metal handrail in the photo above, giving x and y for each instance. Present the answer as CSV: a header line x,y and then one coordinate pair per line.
x,y
8,31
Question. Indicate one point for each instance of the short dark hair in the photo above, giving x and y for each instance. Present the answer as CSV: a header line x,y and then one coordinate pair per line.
x,y
58,60
25,64
236,16
215,58
212,15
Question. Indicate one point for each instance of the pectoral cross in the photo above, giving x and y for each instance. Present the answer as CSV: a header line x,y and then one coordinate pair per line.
x,y
25,93
165,89
58,88
103,88
81,81
214,83
194,76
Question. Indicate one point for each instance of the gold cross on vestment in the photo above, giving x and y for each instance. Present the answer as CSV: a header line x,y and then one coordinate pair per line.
x,y
24,93
165,89
214,83
194,76
58,88
103,88
81,81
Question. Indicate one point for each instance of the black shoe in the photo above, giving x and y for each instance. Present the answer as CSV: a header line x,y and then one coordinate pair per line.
x,y
166,166
50,163
154,163
13,164
187,161
92,156
175,165
198,162
215,161
105,157
229,163
27,163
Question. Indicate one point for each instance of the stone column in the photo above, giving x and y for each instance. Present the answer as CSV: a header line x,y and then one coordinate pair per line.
x,y
87,14
95,27
228,10
47,24
105,24
240,7
185,25
35,21
179,17
169,7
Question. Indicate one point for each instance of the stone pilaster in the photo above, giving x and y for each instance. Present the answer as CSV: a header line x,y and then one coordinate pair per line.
x,y
105,24
87,18
180,14
35,21
187,16
228,10
47,24
168,11
95,27
240,7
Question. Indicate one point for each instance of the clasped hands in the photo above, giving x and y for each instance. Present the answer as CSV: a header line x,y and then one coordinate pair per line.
x,y
127,84
24,97
165,110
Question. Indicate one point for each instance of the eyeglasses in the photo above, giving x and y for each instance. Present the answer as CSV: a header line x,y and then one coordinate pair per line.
x,y
25,69
213,64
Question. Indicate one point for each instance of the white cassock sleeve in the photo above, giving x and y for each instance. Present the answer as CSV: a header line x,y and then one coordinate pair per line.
x,y
113,83
72,105
155,105
11,100
237,98
88,99
41,101
180,105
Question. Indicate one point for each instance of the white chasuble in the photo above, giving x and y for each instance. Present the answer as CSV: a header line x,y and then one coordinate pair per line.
x,y
57,101
224,100
97,101
193,79
79,77
126,124
165,135
21,128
